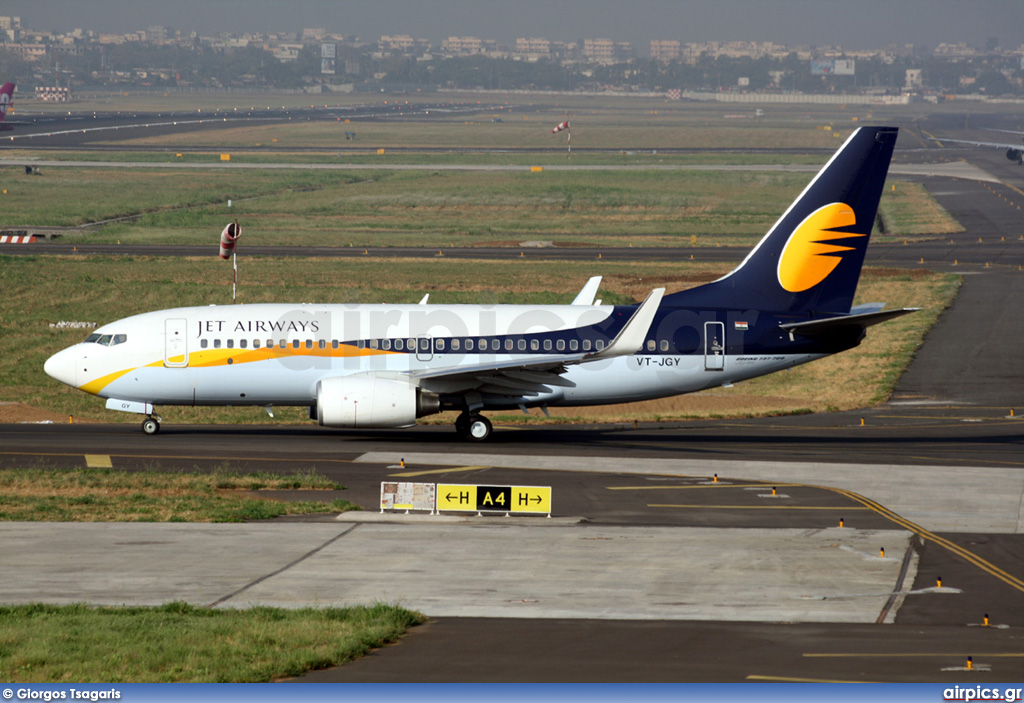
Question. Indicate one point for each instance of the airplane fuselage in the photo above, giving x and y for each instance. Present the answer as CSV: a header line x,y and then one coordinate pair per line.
x,y
274,354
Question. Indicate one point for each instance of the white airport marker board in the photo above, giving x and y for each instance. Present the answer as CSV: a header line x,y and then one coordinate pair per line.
x,y
399,495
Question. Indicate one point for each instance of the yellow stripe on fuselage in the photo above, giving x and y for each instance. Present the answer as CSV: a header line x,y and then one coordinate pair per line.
x,y
208,358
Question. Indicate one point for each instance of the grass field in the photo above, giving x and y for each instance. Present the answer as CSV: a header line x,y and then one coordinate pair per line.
x,y
430,208
102,495
179,642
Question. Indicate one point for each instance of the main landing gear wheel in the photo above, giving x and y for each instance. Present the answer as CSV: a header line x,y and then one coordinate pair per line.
x,y
479,429
150,425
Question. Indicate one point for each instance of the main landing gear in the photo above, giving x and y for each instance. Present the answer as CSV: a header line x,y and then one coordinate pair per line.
x,y
474,427
151,425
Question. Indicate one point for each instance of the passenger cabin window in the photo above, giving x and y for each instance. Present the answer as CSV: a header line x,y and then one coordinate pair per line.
x,y
231,344
295,344
334,344
385,344
547,345
586,345
373,344
534,345
309,344
216,344
560,345
469,345
600,344
322,343
204,343
455,345
399,344
651,345
664,345
439,345
521,344
243,343
574,344
508,344
255,344
495,345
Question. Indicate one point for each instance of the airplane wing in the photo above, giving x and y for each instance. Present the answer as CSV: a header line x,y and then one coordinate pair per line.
x,y
1004,131
996,145
532,377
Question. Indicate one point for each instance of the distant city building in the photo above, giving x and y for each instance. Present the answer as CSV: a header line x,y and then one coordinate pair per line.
x,y
10,28
27,52
603,50
533,48
158,34
462,46
955,51
286,52
666,50
397,42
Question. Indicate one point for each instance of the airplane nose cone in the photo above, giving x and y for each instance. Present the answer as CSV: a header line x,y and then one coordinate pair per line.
x,y
61,366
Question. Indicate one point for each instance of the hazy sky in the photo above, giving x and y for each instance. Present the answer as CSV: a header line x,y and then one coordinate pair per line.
x,y
852,23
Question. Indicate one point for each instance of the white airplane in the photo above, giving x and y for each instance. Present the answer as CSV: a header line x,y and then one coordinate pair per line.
x,y
1014,152
372,366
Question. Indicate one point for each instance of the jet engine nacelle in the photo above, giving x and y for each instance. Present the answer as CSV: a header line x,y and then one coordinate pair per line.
x,y
371,401
1014,155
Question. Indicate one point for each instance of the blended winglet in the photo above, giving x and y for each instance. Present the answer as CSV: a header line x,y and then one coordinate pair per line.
x,y
630,338
588,293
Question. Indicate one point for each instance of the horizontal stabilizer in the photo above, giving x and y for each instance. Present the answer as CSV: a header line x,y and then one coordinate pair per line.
x,y
843,323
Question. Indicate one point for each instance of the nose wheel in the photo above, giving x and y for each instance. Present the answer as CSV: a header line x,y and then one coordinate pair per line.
x,y
150,425
475,428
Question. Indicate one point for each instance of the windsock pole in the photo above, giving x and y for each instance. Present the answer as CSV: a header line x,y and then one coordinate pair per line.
x,y
234,277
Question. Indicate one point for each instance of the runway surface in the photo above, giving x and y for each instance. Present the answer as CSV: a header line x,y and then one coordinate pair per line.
x,y
650,570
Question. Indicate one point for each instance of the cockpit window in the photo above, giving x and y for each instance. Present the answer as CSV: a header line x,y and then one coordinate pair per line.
x,y
107,340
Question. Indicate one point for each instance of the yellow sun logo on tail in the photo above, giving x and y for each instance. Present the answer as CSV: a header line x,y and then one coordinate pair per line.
x,y
806,259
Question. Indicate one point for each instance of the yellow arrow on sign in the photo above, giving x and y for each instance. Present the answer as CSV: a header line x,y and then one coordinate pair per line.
x,y
456,497
531,499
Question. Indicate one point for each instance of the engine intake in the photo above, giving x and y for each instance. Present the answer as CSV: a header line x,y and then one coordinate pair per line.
x,y
371,401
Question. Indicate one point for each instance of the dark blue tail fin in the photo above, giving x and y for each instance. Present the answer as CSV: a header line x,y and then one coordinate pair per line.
x,y
810,260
